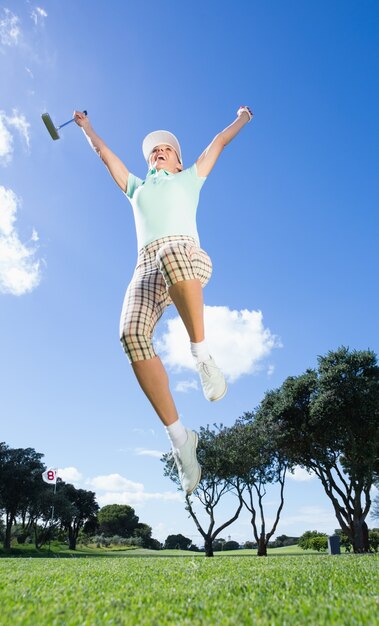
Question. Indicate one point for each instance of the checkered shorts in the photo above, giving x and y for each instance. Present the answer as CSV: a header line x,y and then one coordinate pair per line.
x,y
160,264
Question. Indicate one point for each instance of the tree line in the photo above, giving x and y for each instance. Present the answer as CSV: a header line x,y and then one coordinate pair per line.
x,y
33,511
310,540
325,420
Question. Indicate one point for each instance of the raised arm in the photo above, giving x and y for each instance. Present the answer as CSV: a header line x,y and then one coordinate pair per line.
x,y
115,166
208,158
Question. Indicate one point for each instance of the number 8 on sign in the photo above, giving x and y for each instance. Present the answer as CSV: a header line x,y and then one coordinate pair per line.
x,y
50,476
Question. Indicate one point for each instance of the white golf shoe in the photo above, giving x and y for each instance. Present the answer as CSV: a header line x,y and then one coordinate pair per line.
x,y
212,380
189,469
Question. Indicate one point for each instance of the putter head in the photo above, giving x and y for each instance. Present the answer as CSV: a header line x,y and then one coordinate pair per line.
x,y
50,126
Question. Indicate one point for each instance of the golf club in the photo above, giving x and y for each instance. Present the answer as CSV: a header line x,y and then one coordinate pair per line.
x,y
50,126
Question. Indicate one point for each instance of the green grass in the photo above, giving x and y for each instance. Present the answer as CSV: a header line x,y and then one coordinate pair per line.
x,y
193,591
62,550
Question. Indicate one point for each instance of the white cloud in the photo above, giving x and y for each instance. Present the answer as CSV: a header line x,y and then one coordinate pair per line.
x,y
116,489
144,431
20,272
300,474
183,386
21,125
311,518
70,475
114,482
134,498
37,15
120,490
157,454
237,340
8,211
10,31
161,531
6,143
172,526
7,122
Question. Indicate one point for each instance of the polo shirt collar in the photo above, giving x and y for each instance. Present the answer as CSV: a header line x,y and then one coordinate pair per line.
x,y
155,172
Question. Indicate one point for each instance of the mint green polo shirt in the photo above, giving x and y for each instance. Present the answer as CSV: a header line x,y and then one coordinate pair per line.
x,y
165,204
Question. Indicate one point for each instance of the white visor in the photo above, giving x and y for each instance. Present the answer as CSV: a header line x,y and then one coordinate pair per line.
x,y
157,138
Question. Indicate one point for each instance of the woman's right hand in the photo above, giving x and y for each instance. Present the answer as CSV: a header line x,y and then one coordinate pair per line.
x,y
81,119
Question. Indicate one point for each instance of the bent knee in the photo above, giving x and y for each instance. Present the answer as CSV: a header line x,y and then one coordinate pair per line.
x,y
137,346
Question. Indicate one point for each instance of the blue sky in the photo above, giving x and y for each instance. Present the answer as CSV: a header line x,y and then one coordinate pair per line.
x,y
289,216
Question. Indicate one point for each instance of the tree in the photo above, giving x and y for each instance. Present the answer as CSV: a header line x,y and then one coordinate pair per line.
x,y
253,462
375,508
328,422
373,536
35,514
344,540
212,487
117,519
311,538
143,532
231,545
218,544
283,540
73,508
320,543
373,539
20,481
154,544
39,517
177,542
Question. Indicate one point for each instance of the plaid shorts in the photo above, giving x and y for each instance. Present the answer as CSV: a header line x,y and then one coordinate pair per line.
x,y
160,264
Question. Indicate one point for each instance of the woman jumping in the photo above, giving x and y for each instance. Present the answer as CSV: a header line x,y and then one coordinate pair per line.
x,y
171,267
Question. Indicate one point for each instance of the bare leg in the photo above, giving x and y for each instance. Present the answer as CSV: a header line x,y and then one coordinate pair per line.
x,y
187,295
153,379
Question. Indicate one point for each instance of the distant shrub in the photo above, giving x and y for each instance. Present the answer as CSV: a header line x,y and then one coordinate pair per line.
x,y
116,540
344,540
101,541
193,548
373,538
309,540
319,543
231,545
282,541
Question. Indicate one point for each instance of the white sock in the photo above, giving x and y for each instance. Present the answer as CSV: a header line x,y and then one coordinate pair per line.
x,y
177,434
200,351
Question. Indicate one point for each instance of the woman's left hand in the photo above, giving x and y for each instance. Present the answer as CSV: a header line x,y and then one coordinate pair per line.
x,y
246,109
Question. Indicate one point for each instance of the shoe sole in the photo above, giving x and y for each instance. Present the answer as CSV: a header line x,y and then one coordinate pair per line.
x,y
219,397
188,493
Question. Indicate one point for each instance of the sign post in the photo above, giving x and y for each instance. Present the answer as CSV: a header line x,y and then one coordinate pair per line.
x,y
50,477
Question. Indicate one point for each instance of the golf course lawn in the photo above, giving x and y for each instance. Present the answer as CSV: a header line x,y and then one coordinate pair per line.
x,y
285,590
